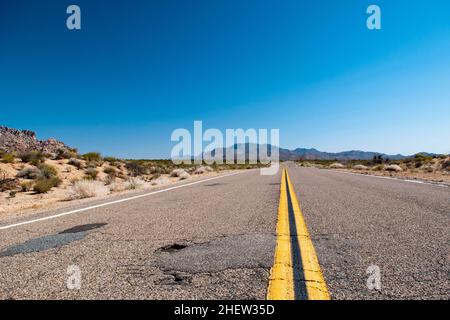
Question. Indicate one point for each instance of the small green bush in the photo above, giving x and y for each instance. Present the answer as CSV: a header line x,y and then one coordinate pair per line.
x,y
29,173
47,171
111,159
56,181
91,173
76,163
33,157
422,158
26,186
8,158
92,156
44,185
136,168
65,154
111,171
94,164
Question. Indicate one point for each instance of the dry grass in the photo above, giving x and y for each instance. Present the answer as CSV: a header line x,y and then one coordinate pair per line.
x,y
180,173
202,170
134,183
419,167
393,167
160,181
87,189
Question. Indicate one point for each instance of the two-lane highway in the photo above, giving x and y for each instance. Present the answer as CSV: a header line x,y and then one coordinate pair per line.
x,y
217,240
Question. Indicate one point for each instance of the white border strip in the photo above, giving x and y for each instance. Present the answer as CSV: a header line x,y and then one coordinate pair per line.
x,y
115,202
392,178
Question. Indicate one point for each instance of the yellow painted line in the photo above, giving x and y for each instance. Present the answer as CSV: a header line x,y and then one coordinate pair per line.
x,y
282,284
281,281
316,287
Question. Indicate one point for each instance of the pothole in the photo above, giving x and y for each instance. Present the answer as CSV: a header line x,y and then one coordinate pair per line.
x,y
230,252
172,247
84,228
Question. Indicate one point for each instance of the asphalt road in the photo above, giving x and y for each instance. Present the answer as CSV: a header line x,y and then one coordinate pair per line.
x,y
216,240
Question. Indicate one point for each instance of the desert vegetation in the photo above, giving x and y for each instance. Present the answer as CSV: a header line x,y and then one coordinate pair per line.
x,y
420,166
34,179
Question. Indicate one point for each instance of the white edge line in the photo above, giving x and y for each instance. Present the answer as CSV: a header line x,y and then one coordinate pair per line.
x,y
115,202
392,178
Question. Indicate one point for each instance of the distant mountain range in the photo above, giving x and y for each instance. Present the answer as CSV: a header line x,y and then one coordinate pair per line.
x,y
308,154
314,154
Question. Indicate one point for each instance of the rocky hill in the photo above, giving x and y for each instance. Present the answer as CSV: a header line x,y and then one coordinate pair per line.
x,y
13,140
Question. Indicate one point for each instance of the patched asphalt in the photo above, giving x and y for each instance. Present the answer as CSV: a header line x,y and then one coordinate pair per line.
x,y
42,244
219,254
52,241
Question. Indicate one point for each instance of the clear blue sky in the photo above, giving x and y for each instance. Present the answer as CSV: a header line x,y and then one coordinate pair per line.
x,y
139,69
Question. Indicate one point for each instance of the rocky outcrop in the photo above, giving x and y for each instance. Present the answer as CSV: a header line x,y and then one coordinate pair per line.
x,y
13,140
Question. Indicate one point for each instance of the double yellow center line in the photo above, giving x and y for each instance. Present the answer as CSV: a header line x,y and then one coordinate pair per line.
x,y
296,273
